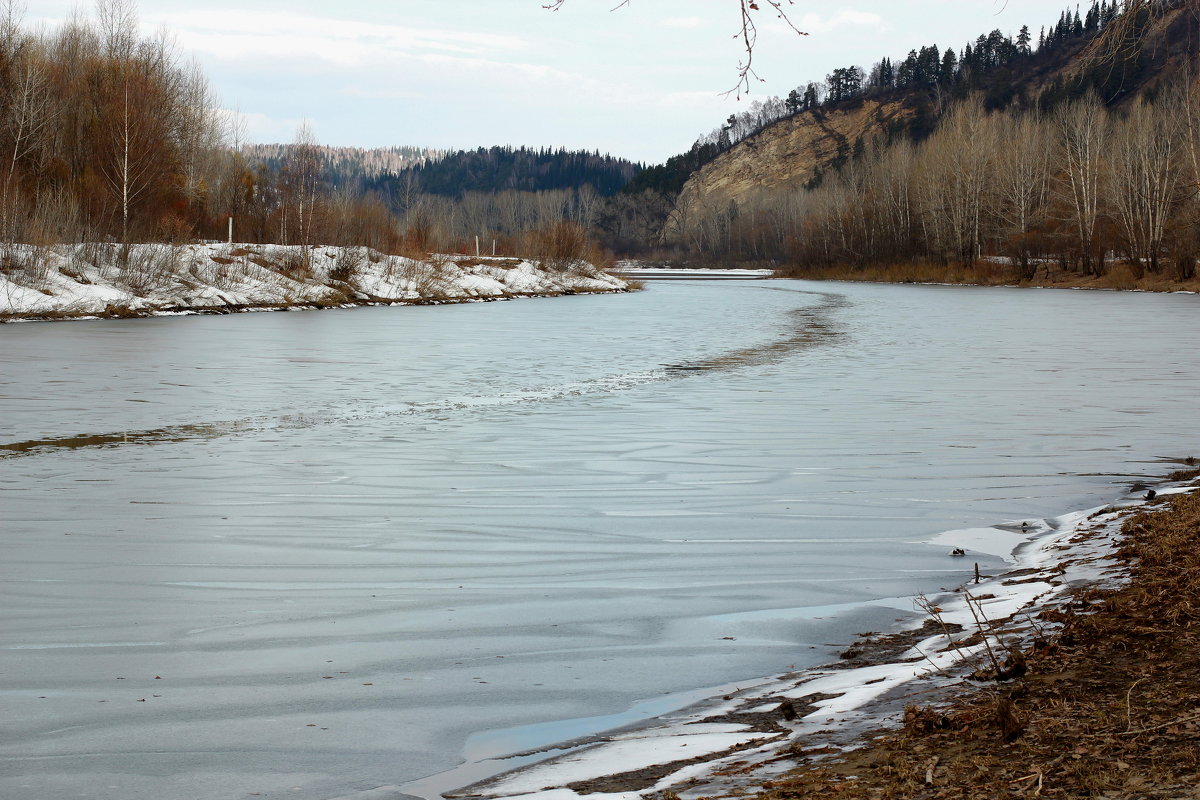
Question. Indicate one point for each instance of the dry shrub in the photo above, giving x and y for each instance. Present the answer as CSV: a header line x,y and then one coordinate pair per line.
x,y
429,277
175,229
346,262
294,262
148,266
563,247
1121,275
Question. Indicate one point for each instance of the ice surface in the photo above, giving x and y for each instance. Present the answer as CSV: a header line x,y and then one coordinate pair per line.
x,y
327,549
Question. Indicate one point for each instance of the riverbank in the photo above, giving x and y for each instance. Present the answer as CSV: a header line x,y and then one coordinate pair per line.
x,y
1118,276
1070,675
107,280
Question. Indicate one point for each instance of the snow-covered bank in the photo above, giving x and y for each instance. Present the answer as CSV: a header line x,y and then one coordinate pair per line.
x,y
640,270
733,743
104,279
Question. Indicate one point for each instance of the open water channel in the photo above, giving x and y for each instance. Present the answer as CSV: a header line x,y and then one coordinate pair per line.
x,y
310,554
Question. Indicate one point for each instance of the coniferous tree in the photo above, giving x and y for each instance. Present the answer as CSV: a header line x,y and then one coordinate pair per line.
x,y
1023,39
949,69
812,97
794,101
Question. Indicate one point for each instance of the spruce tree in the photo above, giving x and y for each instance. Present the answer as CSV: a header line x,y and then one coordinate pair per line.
x,y
949,66
793,102
887,73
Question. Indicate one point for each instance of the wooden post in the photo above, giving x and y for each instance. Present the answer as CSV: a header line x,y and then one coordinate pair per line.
x,y
231,229
477,245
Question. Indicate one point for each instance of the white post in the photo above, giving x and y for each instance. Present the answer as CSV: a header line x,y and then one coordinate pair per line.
x,y
231,229
493,248
477,245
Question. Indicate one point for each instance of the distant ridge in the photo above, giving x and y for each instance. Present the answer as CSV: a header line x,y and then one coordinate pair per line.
x,y
344,166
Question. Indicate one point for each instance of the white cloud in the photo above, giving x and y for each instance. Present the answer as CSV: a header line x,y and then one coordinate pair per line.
x,y
241,34
816,23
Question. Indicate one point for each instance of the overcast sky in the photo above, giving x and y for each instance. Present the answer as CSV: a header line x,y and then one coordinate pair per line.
x,y
642,81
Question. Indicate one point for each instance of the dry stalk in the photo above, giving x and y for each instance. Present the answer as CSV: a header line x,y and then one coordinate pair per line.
x,y
931,662
925,604
1128,706
984,631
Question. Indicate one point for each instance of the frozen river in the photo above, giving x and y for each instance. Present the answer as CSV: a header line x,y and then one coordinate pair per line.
x,y
310,554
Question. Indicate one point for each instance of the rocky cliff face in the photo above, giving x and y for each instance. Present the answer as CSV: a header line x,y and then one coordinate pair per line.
x,y
787,153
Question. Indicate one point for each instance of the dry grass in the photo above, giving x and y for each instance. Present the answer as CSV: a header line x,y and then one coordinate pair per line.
x,y
1110,708
502,263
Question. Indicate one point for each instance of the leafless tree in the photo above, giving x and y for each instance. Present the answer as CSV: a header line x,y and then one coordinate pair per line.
x,y
1144,182
301,176
1022,177
1083,133
25,115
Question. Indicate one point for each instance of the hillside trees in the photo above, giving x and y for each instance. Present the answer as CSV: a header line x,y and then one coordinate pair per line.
x,y
1074,188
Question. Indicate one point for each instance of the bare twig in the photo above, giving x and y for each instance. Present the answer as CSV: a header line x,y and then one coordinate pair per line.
x,y
931,662
925,604
984,631
747,34
1128,705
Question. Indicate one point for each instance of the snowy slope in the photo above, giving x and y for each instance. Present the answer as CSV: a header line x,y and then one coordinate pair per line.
x,y
96,278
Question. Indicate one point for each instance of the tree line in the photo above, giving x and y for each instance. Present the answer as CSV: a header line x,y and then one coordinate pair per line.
x,y
1069,189
499,169
101,132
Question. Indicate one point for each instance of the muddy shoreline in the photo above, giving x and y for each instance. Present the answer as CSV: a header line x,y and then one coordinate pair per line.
x,y
788,726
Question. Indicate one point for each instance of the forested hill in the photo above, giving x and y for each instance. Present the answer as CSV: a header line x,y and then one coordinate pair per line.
x,y
497,169
1075,161
1113,49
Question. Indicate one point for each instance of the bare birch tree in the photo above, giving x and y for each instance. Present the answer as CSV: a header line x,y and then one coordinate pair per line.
x,y
1022,180
1083,135
25,114
1144,182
